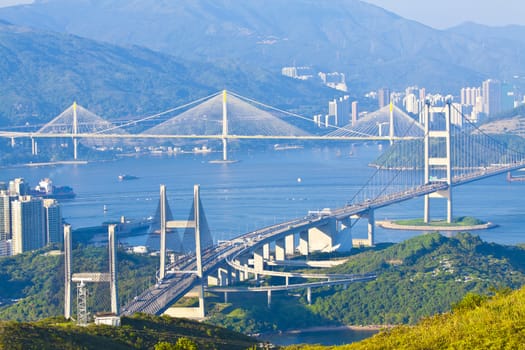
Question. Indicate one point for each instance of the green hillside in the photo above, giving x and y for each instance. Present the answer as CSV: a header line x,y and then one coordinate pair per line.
x,y
32,284
372,46
138,332
475,323
42,73
417,278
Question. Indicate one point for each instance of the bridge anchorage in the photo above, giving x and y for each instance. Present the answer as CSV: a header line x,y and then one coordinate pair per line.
x,y
83,278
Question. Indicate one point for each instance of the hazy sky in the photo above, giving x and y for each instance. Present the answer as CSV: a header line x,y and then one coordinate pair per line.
x,y
4,3
447,13
438,14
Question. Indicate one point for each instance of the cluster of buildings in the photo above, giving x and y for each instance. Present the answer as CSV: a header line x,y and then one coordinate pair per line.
x,y
341,111
334,80
474,103
27,222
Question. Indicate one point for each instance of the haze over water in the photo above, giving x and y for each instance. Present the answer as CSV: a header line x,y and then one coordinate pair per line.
x,y
264,187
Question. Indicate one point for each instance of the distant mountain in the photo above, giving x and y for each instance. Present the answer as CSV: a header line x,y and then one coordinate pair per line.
x,y
372,46
42,73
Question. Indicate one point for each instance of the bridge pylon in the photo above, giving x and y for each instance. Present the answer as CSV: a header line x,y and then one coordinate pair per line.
x,y
89,277
435,160
196,225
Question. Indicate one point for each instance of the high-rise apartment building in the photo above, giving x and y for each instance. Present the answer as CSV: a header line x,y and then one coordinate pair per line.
x,y
340,110
18,187
53,221
5,216
491,92
355,112
383,97
27,224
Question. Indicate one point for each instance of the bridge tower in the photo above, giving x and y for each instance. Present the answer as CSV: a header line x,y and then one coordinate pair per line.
x,y
89,277
391,121
75,131
437,161
224,126
195,224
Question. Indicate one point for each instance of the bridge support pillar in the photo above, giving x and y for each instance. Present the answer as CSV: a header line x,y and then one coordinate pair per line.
x,y
34,147
226,297
75,148
426,212
289,245
162,209
113,283
280,250
269,298
266,251
321,238
67,272
304,248
287,280
201,311
371,227
222,277
258,259
309,295
13,143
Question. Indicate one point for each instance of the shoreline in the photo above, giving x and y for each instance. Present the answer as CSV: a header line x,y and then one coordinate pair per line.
x,y
393,226
39,164
370,328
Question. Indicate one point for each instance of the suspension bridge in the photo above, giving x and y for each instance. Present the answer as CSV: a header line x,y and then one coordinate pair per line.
x,y
222,116
444,156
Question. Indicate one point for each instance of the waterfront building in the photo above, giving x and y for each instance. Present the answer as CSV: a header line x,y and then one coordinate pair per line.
x,y
53,221
18,187
27,224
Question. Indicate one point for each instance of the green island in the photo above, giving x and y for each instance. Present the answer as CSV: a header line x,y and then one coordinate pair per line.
x,y
459,221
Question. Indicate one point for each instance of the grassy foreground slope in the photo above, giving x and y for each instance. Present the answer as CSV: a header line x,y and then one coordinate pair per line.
x,y
138,332
475,323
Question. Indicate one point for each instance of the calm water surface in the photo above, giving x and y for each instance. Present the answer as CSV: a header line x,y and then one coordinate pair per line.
x,y
264,187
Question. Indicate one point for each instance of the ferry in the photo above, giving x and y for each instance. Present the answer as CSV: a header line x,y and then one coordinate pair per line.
x,y
124,177
283,147
46,189
203,149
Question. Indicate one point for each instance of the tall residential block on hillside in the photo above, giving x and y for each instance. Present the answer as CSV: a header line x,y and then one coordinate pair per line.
x,y
339,109
53,221
27,224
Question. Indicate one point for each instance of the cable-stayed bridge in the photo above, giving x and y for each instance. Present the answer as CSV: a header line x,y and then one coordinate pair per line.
x,y
445,156
222,116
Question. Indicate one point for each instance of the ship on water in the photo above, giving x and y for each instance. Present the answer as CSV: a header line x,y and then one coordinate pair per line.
x,y
46,189
125,177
